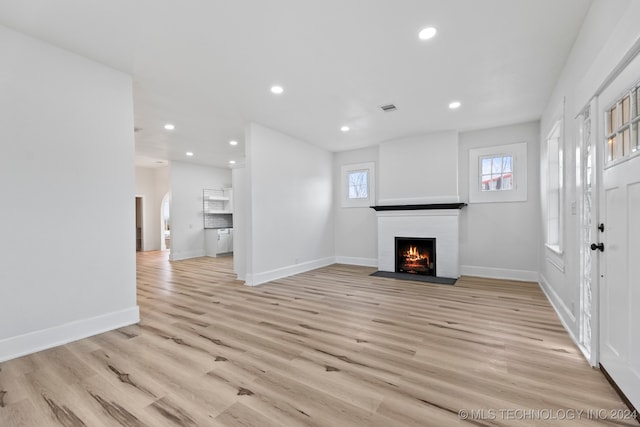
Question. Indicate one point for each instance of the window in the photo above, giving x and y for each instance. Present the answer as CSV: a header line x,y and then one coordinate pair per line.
x,y
358,184
554,188
358,187
498,173
621,127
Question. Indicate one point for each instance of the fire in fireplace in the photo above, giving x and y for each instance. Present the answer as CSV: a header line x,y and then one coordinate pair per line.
x,y
416,255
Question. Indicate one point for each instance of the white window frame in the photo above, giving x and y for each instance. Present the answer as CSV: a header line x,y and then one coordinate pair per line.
x,y
555,188
518,152
345,201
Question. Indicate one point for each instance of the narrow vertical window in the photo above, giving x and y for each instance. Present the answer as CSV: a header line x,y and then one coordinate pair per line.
x,y
554,188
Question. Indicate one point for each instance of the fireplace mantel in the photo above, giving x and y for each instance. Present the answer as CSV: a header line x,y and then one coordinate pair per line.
x,y
429,206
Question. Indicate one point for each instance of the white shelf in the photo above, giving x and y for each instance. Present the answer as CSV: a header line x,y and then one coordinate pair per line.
x,y
217,208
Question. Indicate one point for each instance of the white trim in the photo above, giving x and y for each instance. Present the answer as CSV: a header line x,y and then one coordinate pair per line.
x,y
499,273
518,151
555,258
256,279
364,262
32,342
345,201
419,200
559,306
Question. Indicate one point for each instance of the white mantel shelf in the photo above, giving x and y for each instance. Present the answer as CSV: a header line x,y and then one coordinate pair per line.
x,y
429,206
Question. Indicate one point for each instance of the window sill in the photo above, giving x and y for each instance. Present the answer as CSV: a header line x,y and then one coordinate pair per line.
x,y
555,249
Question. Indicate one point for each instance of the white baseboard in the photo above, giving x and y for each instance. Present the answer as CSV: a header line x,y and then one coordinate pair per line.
x,y
32,342
564,313
256,279
499,273
364,262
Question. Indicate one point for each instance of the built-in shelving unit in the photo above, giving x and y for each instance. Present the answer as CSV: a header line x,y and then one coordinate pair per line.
x,y
217,208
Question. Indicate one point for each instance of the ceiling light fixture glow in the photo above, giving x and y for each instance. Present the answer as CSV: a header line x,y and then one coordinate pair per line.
x,y
169,126
454,105
427,33
277,90
233,142
345,128
232,162
189,153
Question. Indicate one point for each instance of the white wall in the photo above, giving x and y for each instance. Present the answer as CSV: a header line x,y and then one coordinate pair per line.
x,y
420,169
609,30
291,210
356,228
150,189
241,207
501,240
187,223
67,183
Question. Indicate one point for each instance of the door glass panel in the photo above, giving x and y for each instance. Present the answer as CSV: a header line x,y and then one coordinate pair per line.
x,y
611,148
625,142
611,122
626,102
636,141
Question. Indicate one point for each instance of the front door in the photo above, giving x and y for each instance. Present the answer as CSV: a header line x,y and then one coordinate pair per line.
x,y
620,257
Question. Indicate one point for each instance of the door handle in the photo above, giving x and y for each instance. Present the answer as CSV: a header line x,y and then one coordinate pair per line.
x,y
599,246
601,228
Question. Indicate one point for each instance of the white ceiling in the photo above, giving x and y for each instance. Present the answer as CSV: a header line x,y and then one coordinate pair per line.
x,y
207,65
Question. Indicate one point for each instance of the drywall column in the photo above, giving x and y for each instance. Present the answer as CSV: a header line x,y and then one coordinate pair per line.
x,y
68,197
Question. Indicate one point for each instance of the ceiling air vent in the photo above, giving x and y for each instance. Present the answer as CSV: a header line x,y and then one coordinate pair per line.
x,y
388,108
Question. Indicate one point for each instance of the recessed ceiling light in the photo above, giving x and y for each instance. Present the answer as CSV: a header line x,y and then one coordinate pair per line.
x,y
454,105
189,153
277,90
169,126
427,33
233,142
232,162
344,128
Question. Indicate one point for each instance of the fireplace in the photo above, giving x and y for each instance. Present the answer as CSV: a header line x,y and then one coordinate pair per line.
x,y
415,255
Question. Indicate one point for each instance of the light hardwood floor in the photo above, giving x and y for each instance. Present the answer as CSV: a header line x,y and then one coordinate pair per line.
x,y
331,347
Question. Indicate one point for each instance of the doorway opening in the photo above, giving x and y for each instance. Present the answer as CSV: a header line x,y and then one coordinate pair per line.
x,y
139,245
165,222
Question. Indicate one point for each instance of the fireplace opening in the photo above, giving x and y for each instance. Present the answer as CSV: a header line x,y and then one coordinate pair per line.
x,y
416,255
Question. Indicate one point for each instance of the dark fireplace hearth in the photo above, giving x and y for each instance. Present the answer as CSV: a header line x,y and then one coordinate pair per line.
x,y
416,255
